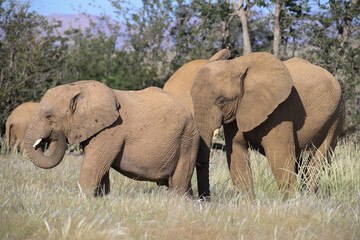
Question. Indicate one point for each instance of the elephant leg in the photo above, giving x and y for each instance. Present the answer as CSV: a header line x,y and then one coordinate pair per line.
x,y
94,176
279,146
322,156
238,160
301,168
104,185
11,138
99,155
180,181
21,146
190,191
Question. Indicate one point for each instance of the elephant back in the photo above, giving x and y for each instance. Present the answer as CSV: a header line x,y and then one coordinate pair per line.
x,y
18,122
314,84
179,84
320,95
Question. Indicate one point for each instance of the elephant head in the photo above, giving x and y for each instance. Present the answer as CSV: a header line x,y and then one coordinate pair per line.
x,y
245,89
74,112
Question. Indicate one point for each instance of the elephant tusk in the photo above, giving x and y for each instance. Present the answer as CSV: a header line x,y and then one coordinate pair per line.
x,y
216,132
37,142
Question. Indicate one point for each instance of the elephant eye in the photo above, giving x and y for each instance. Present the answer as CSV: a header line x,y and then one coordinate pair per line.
x,y
220,100
48,116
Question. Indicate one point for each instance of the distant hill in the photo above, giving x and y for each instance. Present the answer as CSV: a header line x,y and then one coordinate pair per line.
x,y
82,21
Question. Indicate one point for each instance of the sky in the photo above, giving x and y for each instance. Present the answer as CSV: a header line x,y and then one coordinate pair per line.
x,y
94,7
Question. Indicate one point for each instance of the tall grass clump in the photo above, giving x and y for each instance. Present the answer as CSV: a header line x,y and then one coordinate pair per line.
x,y
342,183
2,146
47,204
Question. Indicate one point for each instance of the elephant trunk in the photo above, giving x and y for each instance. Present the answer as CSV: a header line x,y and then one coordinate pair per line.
x,y
208,117
8,135
202,168
36,153
202,163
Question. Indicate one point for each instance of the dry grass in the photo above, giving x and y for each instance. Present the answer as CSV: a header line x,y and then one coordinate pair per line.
x,y
46,204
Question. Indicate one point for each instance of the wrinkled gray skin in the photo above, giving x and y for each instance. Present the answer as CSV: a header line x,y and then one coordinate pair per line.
x,y
118,129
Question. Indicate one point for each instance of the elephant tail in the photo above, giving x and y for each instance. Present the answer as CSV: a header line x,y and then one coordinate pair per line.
x,y
8,134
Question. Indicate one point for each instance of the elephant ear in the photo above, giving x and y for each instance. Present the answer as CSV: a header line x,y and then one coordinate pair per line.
x,y
265,84
223,54
92,108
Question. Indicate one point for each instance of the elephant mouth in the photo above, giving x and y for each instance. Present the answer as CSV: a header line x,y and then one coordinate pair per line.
x,y
44,145
45,152
47,144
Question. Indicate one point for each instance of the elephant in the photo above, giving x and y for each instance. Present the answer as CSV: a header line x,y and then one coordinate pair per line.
x,y
285,110
118,129
179,85
180,82
17,124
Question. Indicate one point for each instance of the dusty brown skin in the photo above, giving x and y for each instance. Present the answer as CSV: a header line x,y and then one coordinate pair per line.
x,y
179,85
146,135
180,82
17,124
279,108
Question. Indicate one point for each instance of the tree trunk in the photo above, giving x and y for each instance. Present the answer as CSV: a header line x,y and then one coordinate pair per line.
x,y
244,15
344,22
277,29
246,36
225,30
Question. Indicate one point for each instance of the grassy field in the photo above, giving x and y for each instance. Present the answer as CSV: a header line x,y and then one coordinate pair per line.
x,y
46,204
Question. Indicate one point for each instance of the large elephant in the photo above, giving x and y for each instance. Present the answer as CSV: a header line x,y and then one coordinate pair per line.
x,y
146,135
17,124
283,109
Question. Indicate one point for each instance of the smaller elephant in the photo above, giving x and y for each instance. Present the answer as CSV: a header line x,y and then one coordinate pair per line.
x,y
118,129
17,124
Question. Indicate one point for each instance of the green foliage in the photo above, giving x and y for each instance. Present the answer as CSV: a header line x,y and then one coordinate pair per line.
x,y
261,35
197,30
143,59
335,46
148,36
91,52
146,44
293,17
31,56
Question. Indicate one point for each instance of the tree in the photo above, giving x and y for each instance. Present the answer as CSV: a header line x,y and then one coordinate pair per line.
x,y
288,19
243,12
32,57
147,41
226,17
196,34
277,28
92,50
333,40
